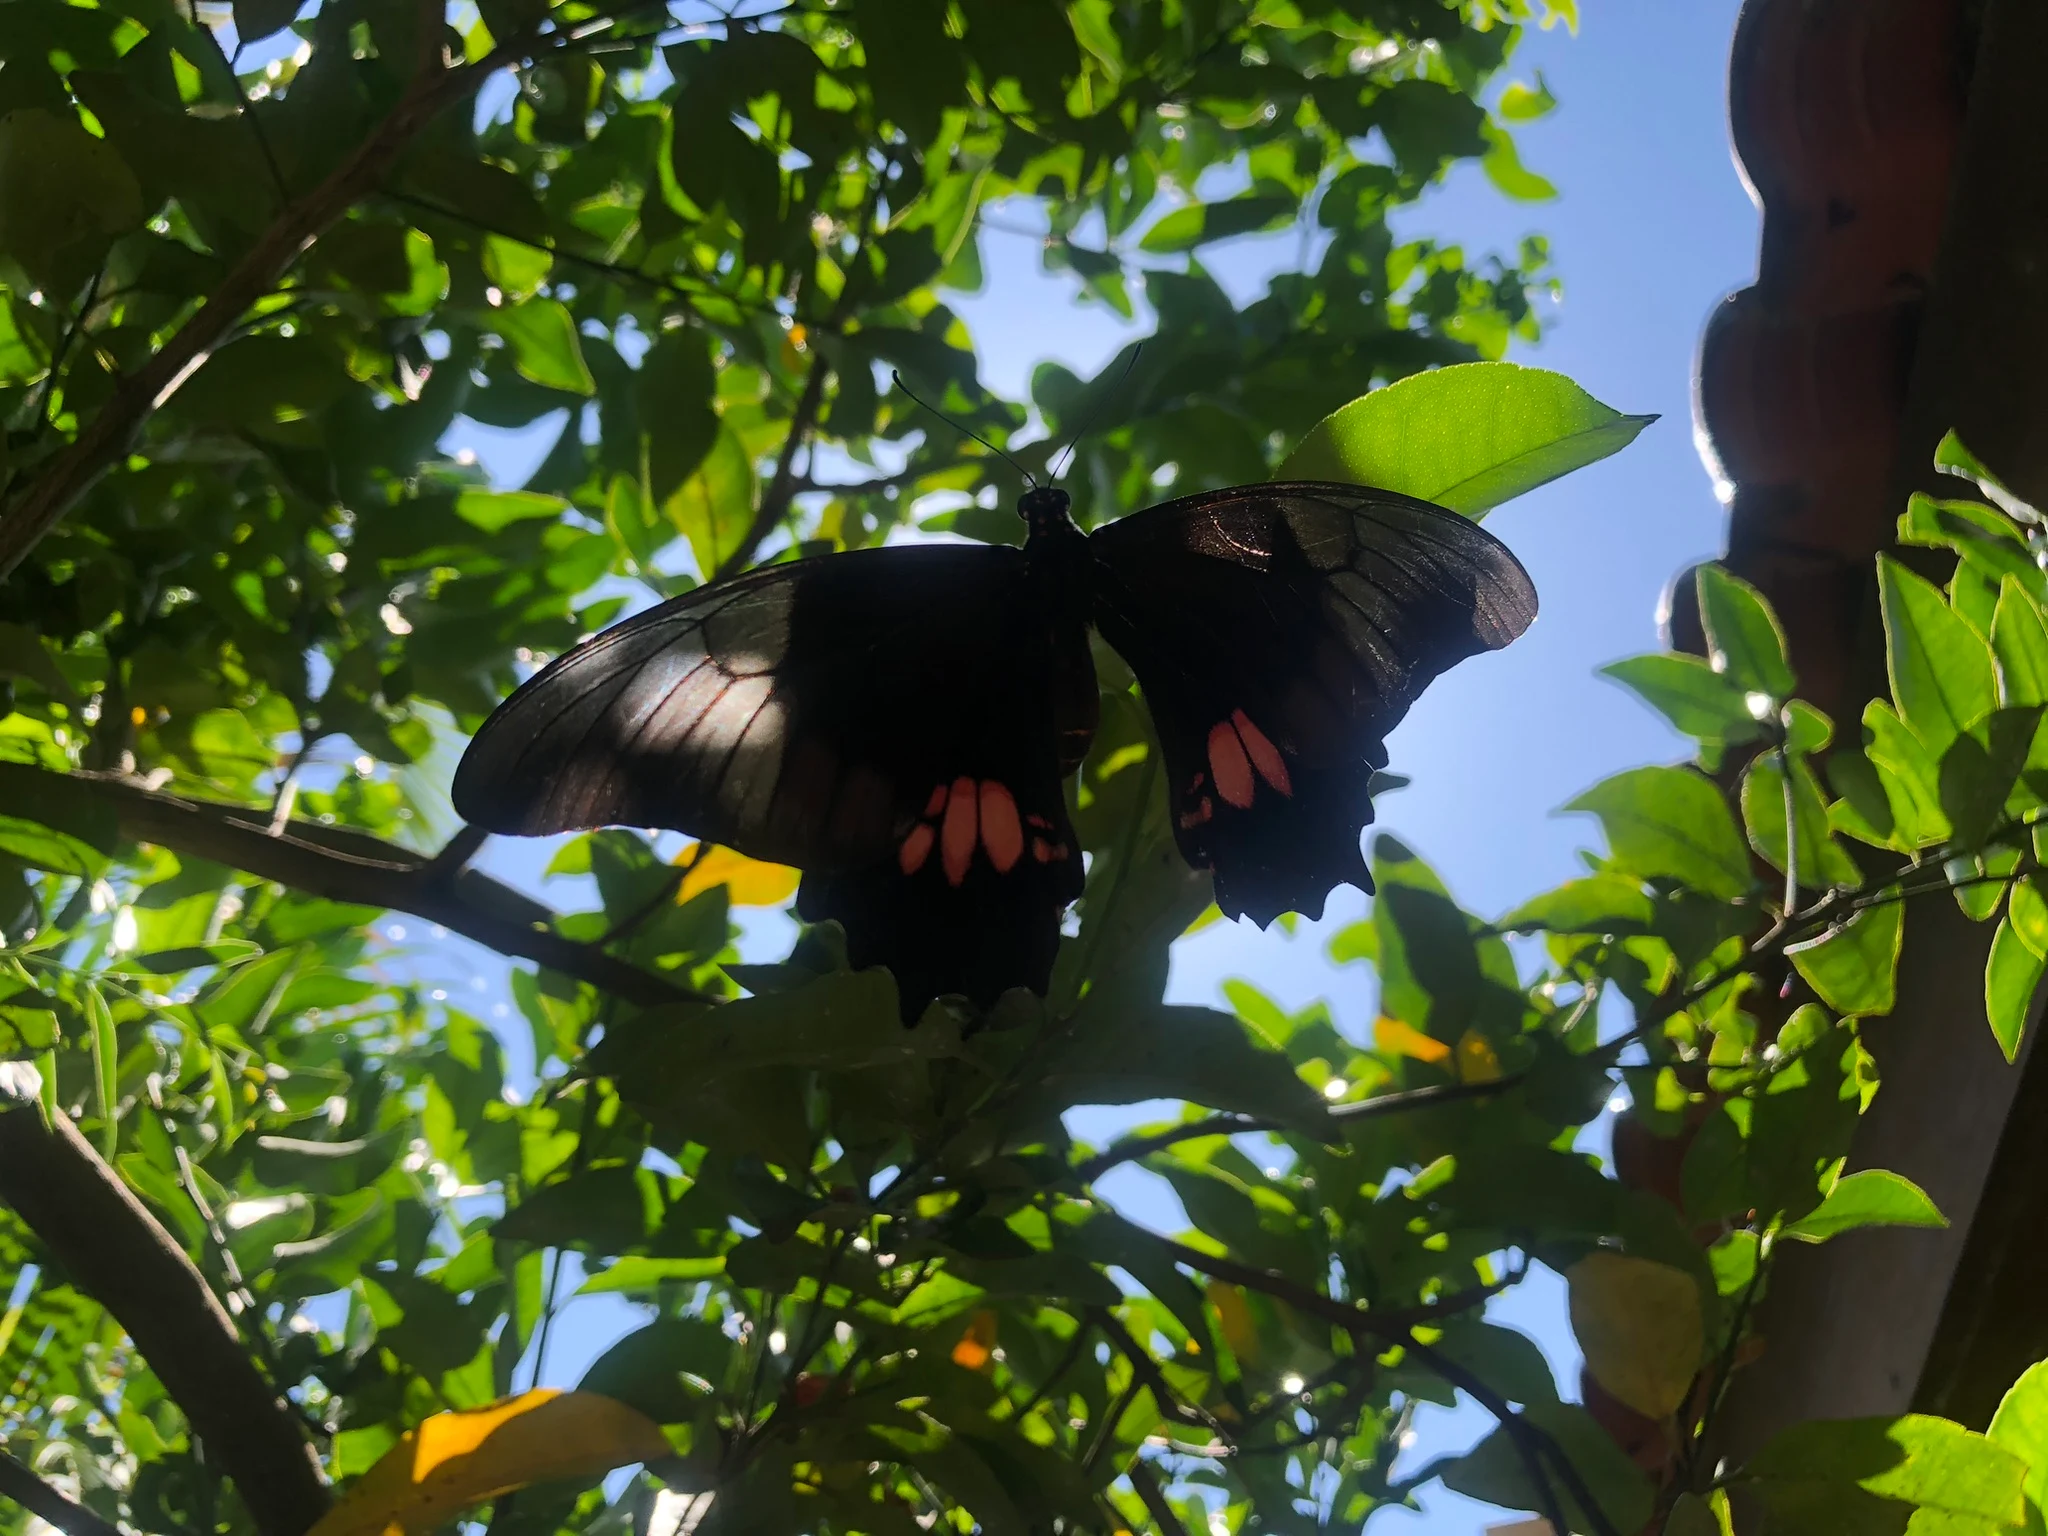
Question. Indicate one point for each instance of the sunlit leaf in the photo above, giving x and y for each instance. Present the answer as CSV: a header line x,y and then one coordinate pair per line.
x,y
1854,968
1468,437
1641,1328
748,882
452,1461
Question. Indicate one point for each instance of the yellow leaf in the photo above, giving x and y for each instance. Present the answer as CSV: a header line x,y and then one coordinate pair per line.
x,y
1394,1038
1477,1062
1639,1324
455,1460
1240,1331
1209,914
748,882
977,1345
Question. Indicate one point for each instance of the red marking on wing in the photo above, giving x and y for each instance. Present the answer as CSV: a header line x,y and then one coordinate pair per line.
x,y
1233,770
1001,833
1265,756
916,848
937,803
1041,850
1039,822
1201,813
960,833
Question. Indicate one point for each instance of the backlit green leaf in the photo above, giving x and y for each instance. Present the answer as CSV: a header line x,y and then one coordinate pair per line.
x,y
544,344
1941,671
1871,1198
1744,638
1674,823
1690,694
2012,975
1854,968
1468,437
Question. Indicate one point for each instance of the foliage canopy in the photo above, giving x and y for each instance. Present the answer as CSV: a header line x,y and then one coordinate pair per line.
x,y
254,278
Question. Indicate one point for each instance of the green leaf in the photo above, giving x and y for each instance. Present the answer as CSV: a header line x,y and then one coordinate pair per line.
x,y
1200,223
495,511
1941,672
1521,103
1855,968
1822,860
665,1369
258,19
22,655
2027,911
64,195
1872,1198
1493,1471
2012,975
1953,458
1687,691
1503,166
1608,904
1744,638
1916,1460
1467,437
516,268
1909,776
42,847
675,389
2019,643
1984,538
1196,1054
2021,1426
714,507
635,1275
1671,822
544,345
1978,769
106,1062
913,66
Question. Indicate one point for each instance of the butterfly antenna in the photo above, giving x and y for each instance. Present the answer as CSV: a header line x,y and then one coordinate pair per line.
x,y
1095,413
966,431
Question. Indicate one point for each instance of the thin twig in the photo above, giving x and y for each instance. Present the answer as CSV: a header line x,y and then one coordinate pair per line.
x,y
41,416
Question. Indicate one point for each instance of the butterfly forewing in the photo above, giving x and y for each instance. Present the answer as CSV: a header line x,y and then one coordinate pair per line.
x,y
886,720
1279,632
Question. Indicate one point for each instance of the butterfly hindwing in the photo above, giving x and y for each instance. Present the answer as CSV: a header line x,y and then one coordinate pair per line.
x,y
1279,633
884,719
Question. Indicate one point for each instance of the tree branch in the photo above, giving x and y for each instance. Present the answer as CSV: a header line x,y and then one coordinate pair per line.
x,y
1132,1148
21,1485
103,440
341,865
115,1251
1153,1497
782,487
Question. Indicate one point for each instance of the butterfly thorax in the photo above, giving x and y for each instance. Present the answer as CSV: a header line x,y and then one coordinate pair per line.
x,y
1057,552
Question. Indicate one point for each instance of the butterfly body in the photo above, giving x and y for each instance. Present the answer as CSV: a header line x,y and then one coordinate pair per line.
x,y
900,722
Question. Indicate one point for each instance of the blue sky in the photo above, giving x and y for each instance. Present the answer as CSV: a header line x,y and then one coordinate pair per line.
x,y
1652,226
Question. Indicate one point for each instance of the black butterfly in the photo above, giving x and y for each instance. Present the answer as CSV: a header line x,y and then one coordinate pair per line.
x,y
899,722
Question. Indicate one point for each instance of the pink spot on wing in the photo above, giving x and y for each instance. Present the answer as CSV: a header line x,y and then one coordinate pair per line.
x,y
960,832
1041,850
915,848
1233,770
1264,755
1002,834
